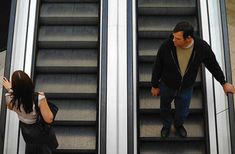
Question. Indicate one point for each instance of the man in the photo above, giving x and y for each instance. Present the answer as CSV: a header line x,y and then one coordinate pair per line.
x,y
174,73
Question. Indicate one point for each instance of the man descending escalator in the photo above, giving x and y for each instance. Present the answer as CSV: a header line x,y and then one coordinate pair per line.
x,y
174,73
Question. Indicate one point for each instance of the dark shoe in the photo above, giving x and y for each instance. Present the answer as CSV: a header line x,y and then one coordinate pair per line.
x,y
165,132
181,131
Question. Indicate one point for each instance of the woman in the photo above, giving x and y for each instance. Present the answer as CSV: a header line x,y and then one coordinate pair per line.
x,y
20,98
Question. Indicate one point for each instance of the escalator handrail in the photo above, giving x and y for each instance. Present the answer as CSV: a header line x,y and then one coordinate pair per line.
x,y
7,71
228,72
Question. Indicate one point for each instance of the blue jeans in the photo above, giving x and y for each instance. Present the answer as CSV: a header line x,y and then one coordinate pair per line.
x,y
182,101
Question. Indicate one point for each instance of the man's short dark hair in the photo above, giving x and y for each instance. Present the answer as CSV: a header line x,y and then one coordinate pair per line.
x,y
186,27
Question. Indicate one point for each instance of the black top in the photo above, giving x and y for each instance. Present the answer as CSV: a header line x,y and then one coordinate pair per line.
x,y
166,66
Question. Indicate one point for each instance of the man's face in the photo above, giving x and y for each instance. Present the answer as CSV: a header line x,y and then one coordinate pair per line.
x,y
179,40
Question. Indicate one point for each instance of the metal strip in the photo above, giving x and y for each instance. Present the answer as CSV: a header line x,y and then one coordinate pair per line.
x,y
112,79
134,71
7,71
122,77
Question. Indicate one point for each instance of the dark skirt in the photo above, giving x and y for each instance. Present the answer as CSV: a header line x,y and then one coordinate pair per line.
x,y
38,141
37,149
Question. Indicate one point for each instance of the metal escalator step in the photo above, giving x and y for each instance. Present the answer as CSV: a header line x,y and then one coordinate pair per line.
x,y
69,58
75,151
187,147
76,139
75,110
147,101
157,111
148,48
166,7
145,72
147,84
66,83
71,1
67,61
161,26
70,123
70,13
69,96
150,126
68,37
62,69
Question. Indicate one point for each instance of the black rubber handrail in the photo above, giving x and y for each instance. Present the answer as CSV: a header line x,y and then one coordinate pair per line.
x,y
7,72
103,78
130,97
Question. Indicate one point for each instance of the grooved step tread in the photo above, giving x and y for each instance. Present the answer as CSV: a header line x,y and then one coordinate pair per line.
x,y
166,3
147,101
66,83
57,59
71,123
70,95
71,1
70,13
75,110
76,138
173,148
145,72
68,37
149,47
150,126
66,70
160,26
166,7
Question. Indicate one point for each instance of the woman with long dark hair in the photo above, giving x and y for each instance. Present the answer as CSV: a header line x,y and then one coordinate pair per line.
x,y
20,98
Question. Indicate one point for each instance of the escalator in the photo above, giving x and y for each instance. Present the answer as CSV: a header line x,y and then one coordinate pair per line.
x,y
156,20
66,69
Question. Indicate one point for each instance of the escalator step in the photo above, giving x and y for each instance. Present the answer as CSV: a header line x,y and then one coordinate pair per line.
x,y
67,61
76,139
147,101
161,26
149,47
166,7
68,37
69,96
173,148
70,13
71,1
145,72
70,83
64,69
150,126
71,123
75,110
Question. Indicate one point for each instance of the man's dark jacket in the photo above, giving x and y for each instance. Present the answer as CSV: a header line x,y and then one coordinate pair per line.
x,y
166,67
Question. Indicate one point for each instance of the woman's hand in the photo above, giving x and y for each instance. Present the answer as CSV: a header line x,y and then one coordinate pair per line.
x,y
6,84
